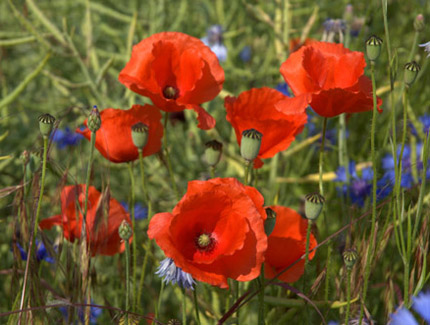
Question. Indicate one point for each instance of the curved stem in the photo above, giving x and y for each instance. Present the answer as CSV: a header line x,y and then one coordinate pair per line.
x,y
133,221
169,163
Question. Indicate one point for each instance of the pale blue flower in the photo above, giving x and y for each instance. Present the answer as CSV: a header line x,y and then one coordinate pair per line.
x,y
171,273
426,47
421,304
402,316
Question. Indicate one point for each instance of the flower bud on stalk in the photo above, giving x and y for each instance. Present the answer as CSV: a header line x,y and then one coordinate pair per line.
x,y
350,257
373,47
419,23
411,72
250,144
213,152
46,123
94,120
314,204
139,134
125,230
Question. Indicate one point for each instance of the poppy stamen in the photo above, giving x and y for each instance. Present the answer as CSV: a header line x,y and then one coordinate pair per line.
x,y
171,92
205,242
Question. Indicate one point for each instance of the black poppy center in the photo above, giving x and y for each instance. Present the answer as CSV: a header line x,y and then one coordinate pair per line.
x,y
171,92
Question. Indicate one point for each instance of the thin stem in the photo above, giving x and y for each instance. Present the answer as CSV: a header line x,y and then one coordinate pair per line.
x,y
247,167
127,279
144,186
261,309
169,163
321,161
196,306
374,162
308,237
212,171
348,294
35,227
184,307
133,221
236,298
87,182
160,297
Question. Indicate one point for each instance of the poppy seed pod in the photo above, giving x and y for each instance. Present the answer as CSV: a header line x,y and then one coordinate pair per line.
x,y
139,134
94,120
350,257
419,23
411,72
125,230
373,47
250,144
213,152
270,222
46,123
314,203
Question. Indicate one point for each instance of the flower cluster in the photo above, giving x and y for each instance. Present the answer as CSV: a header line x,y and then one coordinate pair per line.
x,y
421,304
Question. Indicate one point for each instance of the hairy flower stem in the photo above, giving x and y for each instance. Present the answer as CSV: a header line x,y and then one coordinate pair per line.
x,y
127,279
133,221
247,167
144,186
184,307
369,255
169,163
212,171
261,313
348,294
32,247
236,298
196,306
308,237
160,297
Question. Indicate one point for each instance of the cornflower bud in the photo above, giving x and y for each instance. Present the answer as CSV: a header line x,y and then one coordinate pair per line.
x,y
213,152
46,123
94,120
139,134
314,204
270,222
350,257
250,144
419,23
125,230
411,72
373,47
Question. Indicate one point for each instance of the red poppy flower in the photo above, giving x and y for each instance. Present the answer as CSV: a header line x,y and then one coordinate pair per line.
x,y
332,77
215,232
176,71
113,139
286,244
102,230
296,43
279,118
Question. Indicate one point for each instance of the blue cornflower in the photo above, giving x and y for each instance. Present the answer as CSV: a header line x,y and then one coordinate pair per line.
x,y
421,304
402,316
214,41
245,54
283,88
140,212
66,138
171,273
425,121
359,188
41,252
426,47
95,313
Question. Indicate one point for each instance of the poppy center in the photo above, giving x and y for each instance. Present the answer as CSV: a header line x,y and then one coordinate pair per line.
x,y
205,242
171,92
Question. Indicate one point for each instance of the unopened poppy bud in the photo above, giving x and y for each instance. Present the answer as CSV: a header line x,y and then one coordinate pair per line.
x,y
139,134
350,257
94,120
125,230
411,72
373,47
213,152
270,222
314,204
419,23
250,144
46,123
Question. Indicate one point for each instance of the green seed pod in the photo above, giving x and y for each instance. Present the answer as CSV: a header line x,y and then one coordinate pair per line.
x,y
139,134
373,47
94,120
350,257
46,123
250,144
125,230
213,152
419,23
270,222
314,204
411,72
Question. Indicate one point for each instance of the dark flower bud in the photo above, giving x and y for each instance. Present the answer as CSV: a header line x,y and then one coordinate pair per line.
x,y
411,72
350,257
46,123
314,204
250,144
270,222
125,230
373,47
213,152
94,120
419,23
139,134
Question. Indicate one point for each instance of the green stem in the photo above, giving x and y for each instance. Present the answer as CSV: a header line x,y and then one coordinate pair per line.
x,y
184,307
32,247
160,297
87,182
127,279
369,254
212,171
247,167
308,237
261,309
348,294
321,161
196,305
133,221
169,163
144,186
236,298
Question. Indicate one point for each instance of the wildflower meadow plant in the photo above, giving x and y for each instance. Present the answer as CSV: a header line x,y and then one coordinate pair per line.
x,y
166,213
